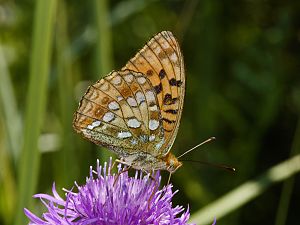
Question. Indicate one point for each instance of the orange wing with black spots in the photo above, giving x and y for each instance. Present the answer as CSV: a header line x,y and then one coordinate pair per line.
x,y
162,63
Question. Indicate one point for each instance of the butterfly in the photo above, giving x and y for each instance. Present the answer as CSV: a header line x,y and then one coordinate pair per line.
x,y
135,112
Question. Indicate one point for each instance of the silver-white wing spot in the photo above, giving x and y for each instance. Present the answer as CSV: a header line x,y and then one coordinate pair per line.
x,y
173,57
116,80
140,97
132,102
94,124
124,134
113,105
128,78
141,80
153,124
133,123
134,142
158,145
150,96
152,137
108,117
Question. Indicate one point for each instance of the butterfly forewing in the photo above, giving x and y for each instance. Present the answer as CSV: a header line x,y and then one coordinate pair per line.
x,y
161,61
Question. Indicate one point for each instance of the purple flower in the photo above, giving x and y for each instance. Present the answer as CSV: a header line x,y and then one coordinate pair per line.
x,y
112,199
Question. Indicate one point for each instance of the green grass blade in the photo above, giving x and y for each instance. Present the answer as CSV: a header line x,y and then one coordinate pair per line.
x,y
288,185
7,180
36,102
247,191
9,142
9,110
104,46
67,158
125,9
103,51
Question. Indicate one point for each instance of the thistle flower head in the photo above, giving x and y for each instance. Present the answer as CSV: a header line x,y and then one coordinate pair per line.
x,y
112,199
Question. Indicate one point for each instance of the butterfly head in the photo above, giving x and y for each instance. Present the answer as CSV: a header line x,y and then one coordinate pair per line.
x,y
172,162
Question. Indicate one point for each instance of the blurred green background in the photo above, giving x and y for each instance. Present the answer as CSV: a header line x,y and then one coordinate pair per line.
x,y
243,86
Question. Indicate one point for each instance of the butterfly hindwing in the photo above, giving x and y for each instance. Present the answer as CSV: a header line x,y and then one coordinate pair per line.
x,y
121,112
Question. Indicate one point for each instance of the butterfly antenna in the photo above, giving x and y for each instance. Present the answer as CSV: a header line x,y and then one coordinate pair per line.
x,y
204,142
221,166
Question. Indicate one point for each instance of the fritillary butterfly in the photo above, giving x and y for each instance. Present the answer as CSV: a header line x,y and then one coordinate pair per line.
x,y
135,112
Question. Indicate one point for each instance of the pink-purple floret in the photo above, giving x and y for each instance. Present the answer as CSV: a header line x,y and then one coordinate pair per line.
x,y
106,199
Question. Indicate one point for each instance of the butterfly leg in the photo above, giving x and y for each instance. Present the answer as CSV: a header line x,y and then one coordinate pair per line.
x,y
149,174
123,171
115,162
156,184
169,179
113,165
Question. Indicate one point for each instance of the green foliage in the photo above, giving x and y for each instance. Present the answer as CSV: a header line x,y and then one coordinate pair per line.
x,y
242,66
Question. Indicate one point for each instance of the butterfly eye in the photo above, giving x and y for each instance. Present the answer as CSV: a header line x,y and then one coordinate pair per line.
x,y
172,168
174,164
